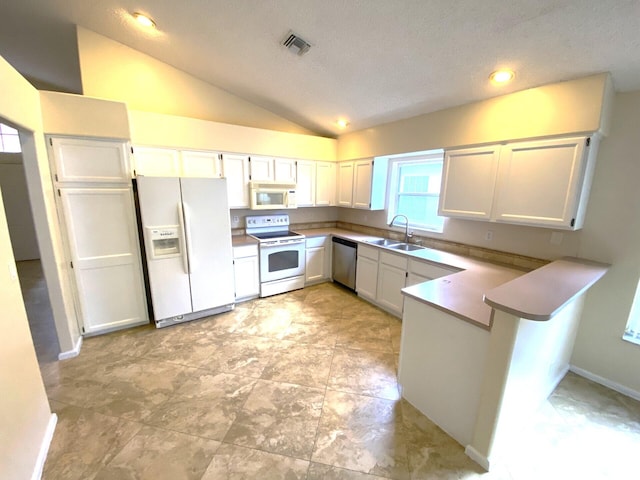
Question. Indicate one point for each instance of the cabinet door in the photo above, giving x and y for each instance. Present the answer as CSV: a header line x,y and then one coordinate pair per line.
x,y
94,161
285,170
247,277
469,182
414,279
102,239
156,162
306,184
366,277
539,182
235,168
362,175
200,164
325,183
315,264
345,184
262,168
390,281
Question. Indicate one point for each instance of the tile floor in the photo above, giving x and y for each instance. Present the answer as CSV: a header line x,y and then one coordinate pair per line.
x,y
296,386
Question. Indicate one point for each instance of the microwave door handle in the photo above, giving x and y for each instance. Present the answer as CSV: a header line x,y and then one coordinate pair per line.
x,y
185,258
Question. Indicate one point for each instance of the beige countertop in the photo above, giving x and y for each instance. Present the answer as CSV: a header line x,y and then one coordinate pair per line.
x,y
480,286
540,294
240,240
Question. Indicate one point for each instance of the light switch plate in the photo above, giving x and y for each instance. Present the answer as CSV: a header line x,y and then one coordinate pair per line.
x,y
13,273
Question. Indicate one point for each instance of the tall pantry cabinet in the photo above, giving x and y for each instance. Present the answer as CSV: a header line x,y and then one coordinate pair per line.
x,y
95,204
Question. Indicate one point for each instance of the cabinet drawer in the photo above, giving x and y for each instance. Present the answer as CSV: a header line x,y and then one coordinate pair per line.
x,y
398,261
243,251
429,270
311,242
368,252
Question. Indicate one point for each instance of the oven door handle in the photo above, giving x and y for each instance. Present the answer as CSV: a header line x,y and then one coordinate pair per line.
x,y
282,243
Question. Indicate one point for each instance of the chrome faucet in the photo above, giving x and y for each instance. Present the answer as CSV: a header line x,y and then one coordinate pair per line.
x,y
407,235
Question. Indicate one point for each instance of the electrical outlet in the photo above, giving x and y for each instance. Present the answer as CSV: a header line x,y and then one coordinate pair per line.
x,y
236,219
556,238
488,236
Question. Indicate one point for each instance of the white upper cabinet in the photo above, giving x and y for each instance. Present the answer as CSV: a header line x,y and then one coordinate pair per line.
x,y
200,164
542,183
167,162
235,168
345,184
285,170
469,178
306,184
90,161
262,168
325,183
156,162
362,183
273,169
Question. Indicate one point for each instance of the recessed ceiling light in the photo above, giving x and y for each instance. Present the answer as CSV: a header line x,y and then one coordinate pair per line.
x,y
144,20
502,76
342,123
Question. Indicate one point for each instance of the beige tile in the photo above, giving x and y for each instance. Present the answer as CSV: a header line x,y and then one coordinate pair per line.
x,y
364,372
85,441
242,355
154,454
361,433
317,471
279,418
232,462
300,364
361,332
205,406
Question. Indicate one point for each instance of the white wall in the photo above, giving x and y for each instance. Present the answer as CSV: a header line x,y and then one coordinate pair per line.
x,y
114,71
16,200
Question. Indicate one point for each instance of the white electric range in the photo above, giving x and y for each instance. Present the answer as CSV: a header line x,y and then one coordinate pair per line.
x,y
282,253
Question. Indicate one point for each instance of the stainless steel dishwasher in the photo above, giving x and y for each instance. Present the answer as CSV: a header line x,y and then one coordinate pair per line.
x,y
344,262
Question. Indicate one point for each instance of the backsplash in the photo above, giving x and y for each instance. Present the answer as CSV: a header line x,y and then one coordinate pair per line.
x,y
494,256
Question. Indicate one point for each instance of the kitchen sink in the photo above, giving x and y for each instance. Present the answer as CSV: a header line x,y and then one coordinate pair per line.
x,y
384,242
406,247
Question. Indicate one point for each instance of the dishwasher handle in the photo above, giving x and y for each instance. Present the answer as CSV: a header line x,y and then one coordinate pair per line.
x,y
342,241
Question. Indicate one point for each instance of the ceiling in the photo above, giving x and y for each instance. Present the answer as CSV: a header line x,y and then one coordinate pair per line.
x,y
371,61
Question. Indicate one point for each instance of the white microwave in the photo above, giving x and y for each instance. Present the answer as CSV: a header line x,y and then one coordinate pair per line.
x,y
272,195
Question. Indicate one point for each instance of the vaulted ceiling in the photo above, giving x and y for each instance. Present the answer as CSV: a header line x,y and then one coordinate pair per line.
x,y
371,61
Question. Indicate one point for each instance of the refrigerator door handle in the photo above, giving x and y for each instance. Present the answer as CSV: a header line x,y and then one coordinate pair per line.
x,y
185,238
187,231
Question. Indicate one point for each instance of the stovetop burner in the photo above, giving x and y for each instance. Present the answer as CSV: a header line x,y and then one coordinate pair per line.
x,y
269,235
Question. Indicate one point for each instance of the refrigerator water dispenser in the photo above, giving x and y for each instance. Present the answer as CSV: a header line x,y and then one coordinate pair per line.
x,y
165,242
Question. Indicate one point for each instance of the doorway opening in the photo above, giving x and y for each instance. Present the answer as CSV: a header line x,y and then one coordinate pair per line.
x,y
13,184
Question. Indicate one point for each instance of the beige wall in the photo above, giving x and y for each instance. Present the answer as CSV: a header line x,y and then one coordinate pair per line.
x,y
159,130
17,208
612,234
114,71
577,106
20,106
25,410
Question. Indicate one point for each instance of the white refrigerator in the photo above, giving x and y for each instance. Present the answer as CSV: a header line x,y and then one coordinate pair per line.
x,y
187,239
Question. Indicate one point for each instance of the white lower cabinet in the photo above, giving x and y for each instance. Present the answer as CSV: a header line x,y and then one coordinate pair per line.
x,y
367,272
318,259
392,276
246,269
381,275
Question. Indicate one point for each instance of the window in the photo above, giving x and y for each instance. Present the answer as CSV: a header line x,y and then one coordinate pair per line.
x,y
9,140
632,332
415,189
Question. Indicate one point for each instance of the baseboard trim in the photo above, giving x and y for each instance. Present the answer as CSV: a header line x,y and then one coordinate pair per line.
x,y
477,457
607,383
71,353
44,447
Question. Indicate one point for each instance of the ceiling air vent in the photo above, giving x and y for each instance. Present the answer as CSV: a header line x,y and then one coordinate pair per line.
x,y
296,44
